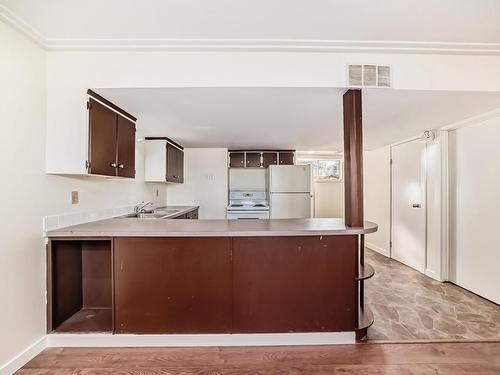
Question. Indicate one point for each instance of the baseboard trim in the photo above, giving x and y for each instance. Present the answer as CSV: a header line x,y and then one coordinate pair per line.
x,y
378,249
24,357
200,340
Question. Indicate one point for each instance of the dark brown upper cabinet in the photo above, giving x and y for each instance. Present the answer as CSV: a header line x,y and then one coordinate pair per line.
x,y
269,158
111,149
253,160
164,160
102,139
237,160
180,166
125,148
286,158
260,158
175,164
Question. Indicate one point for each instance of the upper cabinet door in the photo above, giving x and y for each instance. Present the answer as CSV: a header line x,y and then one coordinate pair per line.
x,y
171,163
269,158
237,160
102,140
286,158
180,166
253,159
125,147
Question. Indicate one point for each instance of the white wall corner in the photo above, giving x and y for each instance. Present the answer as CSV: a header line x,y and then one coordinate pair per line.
x,y
445,206
378,249
24,357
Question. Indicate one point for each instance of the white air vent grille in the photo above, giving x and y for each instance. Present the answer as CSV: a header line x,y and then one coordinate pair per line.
x,y
369,76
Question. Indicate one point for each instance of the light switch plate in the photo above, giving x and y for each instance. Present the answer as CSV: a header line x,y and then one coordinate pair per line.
x,y
74,197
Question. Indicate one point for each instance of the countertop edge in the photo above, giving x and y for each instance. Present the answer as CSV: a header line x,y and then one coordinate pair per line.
x,y
369,228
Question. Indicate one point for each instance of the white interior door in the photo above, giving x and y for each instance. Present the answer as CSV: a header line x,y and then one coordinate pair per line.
x,y
408,204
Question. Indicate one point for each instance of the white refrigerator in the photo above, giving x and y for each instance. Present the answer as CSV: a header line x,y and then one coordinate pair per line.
x,y
290,191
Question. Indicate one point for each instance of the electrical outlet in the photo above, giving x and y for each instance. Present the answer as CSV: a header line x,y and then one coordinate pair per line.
x,y
74,197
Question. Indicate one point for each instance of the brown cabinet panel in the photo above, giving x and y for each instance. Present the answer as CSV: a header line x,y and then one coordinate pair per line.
x,y
171,163
269,158
102,139
253,159
286,158
175,164
180,166
294,284
125,147
237,160
172,285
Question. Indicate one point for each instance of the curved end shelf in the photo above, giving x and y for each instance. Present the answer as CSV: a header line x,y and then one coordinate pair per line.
x,y
365,321
365,318
365,272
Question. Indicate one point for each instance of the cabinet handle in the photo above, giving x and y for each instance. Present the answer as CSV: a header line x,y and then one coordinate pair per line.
x,y
121,166
113,165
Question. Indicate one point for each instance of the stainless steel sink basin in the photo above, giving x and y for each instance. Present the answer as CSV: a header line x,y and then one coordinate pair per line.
x,y
144,215
167,211
161,213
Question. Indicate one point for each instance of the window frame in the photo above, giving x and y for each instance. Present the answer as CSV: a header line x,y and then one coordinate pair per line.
x,y
315,163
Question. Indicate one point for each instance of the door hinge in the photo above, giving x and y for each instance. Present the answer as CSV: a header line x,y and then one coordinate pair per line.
x,y
390,244
87,164
89,106
391,161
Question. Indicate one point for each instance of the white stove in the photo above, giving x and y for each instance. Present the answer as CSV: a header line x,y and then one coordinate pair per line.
x,y
247,204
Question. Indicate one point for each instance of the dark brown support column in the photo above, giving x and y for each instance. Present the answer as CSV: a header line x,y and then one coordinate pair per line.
x,y
353,181
353,159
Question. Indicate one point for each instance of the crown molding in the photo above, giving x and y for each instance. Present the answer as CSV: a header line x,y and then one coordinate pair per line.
x,y
242,45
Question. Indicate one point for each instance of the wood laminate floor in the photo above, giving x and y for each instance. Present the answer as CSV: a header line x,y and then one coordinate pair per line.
x,y
408,305
421,358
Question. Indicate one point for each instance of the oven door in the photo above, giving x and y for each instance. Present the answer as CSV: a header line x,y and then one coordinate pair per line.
x,y
233,215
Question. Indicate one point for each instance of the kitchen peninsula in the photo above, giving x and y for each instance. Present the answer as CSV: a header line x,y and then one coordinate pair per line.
x,y
152,276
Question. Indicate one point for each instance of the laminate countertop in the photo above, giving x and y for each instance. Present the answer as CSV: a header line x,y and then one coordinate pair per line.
x,y
133,227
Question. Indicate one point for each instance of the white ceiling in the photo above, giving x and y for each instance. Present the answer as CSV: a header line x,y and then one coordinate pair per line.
x,y
257,21
298,118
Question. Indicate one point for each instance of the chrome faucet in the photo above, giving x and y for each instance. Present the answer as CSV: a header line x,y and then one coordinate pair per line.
x,y
141,206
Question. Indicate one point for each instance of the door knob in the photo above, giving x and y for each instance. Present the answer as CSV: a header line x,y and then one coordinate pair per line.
x,y
121,166
416,205
113,165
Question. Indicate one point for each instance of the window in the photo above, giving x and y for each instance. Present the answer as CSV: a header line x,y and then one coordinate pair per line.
x,y
324,169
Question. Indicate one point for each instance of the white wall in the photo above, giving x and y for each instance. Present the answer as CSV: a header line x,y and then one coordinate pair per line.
x,y
475,207
437,207
377,197
328,199
247,178
74,69
28,194
205,182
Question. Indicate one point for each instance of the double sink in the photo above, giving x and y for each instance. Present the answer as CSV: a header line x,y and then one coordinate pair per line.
x,y
156,214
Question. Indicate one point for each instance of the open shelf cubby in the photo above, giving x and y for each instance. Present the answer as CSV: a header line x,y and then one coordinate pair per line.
x,y
80,285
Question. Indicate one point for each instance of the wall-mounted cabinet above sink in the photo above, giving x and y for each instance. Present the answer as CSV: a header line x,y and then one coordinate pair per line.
x,y
89,135
163,160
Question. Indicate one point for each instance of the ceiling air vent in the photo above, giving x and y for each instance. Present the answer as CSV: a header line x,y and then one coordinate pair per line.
x,y
369,76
